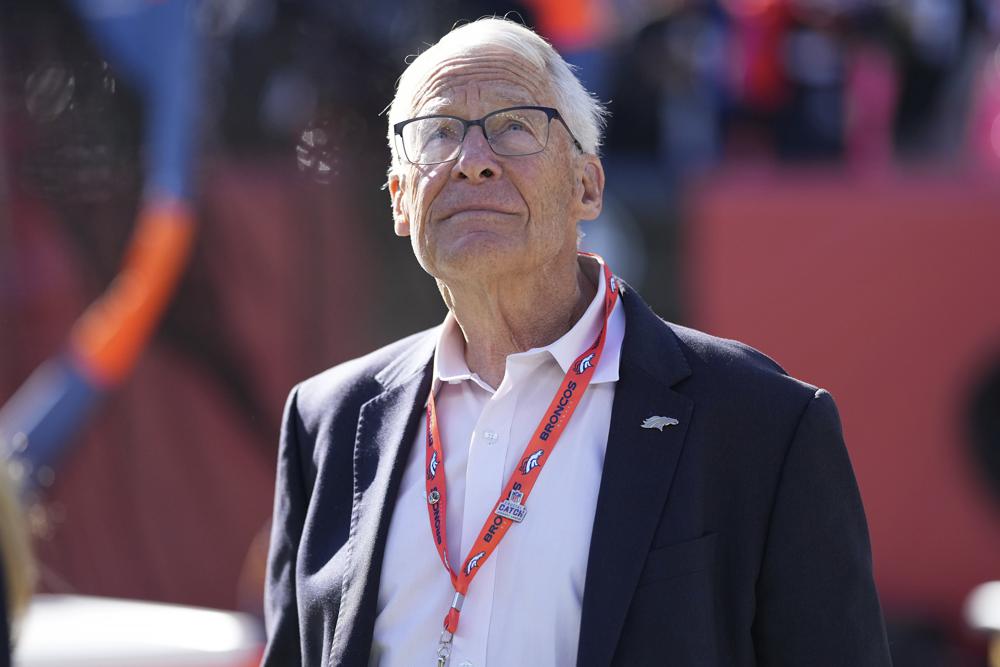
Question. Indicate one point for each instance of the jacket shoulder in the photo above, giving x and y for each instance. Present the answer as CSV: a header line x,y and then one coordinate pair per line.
x,y
356,381
731,363
726,351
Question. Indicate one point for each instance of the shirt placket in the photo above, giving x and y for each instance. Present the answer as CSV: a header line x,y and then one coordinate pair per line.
x,y
484,482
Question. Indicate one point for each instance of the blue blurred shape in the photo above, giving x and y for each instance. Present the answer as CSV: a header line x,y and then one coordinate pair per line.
x,y
37,422
155,46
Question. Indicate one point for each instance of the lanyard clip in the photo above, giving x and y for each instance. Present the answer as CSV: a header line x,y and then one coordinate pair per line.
x,y
448,634
444,648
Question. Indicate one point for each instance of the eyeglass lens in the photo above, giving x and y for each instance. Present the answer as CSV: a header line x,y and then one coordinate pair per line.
x,y
509,132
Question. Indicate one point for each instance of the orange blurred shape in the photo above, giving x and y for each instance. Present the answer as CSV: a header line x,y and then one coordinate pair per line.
x,y
112,332
571,24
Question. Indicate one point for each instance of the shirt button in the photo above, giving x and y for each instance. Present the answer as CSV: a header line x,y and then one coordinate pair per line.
x,y
491,437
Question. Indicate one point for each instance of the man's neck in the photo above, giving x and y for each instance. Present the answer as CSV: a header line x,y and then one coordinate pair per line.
x,y
503,317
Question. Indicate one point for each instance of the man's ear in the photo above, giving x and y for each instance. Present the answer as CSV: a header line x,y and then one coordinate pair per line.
x,y
591,188
400,220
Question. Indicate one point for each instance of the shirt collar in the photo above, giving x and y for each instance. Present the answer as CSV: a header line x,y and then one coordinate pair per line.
x,y
449,353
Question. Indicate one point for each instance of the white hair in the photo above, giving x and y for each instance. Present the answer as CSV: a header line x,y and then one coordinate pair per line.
x,y
581,110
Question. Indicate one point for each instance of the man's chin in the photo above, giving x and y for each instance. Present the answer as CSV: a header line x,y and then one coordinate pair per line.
x,y
478,254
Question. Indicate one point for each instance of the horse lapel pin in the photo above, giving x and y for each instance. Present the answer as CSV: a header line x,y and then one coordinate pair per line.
x,y
659,422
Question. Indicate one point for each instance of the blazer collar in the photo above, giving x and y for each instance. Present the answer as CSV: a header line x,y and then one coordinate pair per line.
x,y
413,361
638,471
650,344
387,426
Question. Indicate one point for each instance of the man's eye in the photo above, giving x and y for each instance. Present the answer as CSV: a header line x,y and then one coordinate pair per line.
x,y
514,125
429,130
442,132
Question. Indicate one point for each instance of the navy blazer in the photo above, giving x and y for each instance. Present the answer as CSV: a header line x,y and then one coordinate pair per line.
x,y
736,537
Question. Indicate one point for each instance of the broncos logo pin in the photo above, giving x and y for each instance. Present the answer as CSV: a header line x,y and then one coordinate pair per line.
x,y
659,422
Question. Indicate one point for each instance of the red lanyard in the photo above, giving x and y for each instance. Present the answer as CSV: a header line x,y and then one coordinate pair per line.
x,y
510,507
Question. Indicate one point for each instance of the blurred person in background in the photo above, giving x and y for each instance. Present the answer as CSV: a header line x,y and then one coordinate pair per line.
x,y
702,511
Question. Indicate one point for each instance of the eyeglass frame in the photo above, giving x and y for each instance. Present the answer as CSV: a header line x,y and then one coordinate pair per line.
x,y
551,112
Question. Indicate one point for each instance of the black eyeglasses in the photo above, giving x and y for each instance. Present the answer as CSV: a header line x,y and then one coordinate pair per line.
x,y
510,132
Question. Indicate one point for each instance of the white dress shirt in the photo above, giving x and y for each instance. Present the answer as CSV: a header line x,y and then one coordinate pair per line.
x,y
523,608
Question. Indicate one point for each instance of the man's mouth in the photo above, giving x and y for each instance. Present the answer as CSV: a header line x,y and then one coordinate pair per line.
x,y
474,212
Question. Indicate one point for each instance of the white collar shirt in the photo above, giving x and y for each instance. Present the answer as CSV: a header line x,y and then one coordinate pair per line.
x,y
524,606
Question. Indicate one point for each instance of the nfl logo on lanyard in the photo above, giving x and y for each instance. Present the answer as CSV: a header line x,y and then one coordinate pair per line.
x,y
512,508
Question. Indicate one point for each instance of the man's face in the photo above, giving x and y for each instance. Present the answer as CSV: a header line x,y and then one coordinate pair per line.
x,y
483,214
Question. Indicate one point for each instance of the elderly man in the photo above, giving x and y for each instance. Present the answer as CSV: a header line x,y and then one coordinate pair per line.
x,y
553,476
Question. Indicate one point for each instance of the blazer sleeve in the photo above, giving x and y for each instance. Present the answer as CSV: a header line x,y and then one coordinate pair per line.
x,y
816,598
281,618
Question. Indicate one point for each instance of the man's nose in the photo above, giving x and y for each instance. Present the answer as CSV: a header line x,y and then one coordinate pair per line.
x,y
476,160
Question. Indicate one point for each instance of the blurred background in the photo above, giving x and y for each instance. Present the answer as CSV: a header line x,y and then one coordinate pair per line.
x,y
192,220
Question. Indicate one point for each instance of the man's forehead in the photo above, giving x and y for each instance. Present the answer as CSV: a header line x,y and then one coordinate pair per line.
x,y
477,77
495,97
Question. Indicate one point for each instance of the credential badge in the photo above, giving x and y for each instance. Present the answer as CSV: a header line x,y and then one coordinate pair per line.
x,y
512,508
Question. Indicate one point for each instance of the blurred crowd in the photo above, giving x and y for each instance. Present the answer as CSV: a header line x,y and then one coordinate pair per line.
x,y
691,85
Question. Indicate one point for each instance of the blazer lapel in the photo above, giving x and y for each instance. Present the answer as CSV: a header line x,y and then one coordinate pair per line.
x,y
638,470
387,427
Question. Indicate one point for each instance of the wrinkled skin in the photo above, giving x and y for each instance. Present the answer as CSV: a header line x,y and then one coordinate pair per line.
x,y
497,232
525,209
